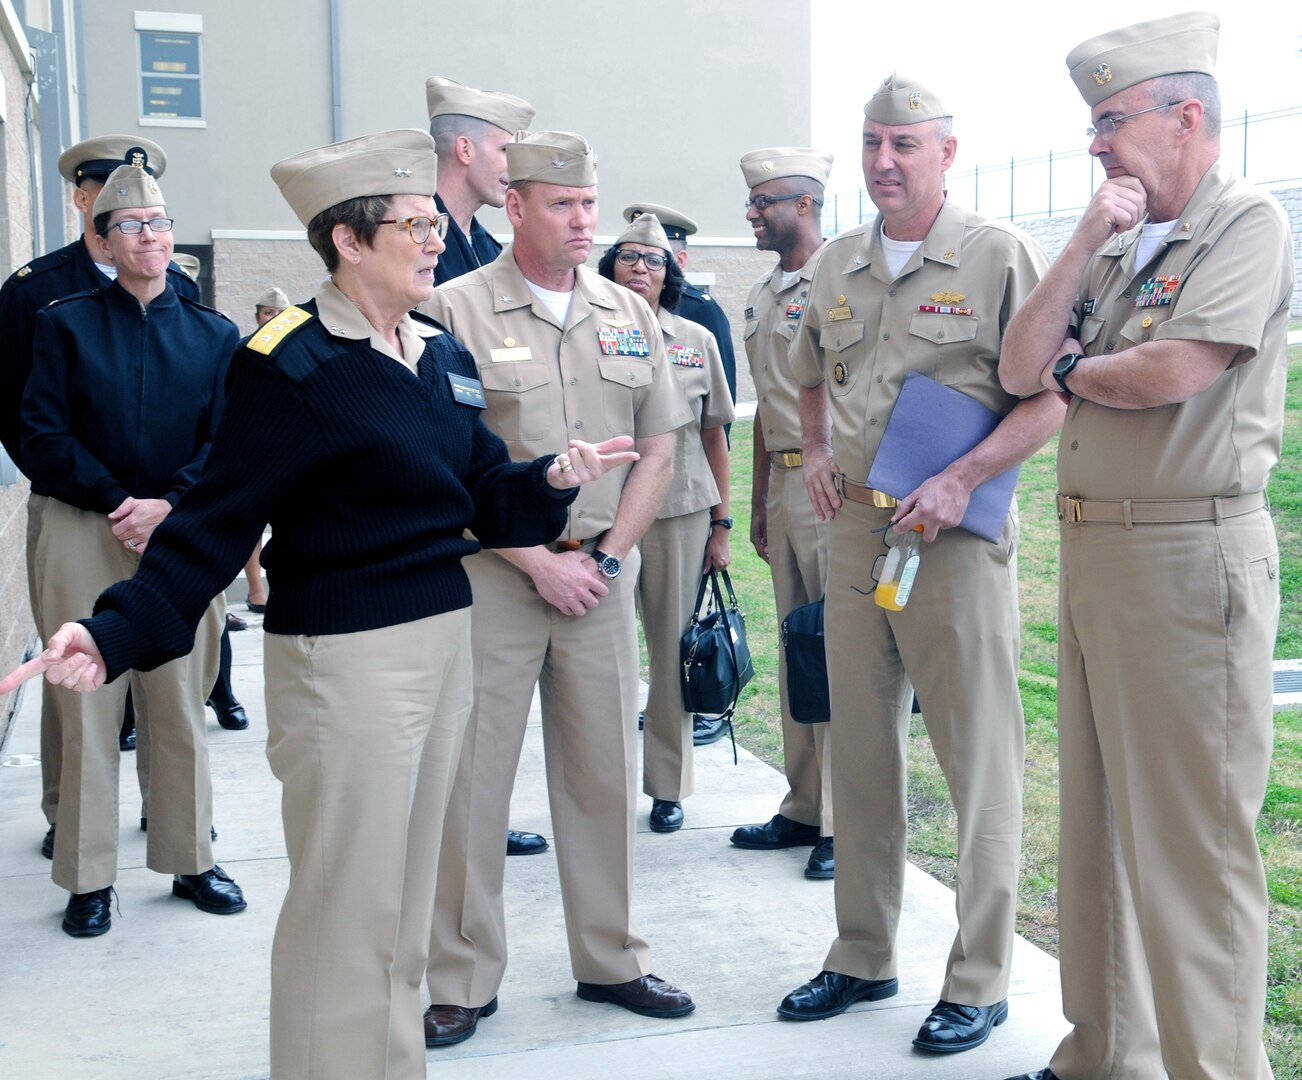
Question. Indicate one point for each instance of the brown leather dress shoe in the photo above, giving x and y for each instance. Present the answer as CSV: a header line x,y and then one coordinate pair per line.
x,y
648,996
447,1025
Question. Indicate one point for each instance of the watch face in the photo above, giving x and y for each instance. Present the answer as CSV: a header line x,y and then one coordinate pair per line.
x,y
610,566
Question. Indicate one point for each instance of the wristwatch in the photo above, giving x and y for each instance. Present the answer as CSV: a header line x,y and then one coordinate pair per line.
x,y
725,522
607,564
1064,366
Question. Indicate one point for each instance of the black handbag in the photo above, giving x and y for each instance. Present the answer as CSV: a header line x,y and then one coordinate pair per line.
x,y
715,657
802,642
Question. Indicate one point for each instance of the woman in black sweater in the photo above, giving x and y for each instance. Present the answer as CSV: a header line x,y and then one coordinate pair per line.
x,y
352,425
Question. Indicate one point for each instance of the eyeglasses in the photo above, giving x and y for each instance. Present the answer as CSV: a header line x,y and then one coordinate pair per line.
x,y
653,260
763,202
131,226
419,228
1108,124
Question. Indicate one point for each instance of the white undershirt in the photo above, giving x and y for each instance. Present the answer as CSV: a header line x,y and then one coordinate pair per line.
x,y
110,272
789,278
1153,235
558,303
898,252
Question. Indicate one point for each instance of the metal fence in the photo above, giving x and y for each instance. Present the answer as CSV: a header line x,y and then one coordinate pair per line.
x,y
1264,147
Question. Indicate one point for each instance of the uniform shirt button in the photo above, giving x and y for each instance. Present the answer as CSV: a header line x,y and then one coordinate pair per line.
x,y
573,381
519,382
1111,345
879,378
886,336
1075,445
578,424
872,422
940,333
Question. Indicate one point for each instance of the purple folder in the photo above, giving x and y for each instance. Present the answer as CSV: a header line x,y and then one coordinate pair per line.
x,y
931,426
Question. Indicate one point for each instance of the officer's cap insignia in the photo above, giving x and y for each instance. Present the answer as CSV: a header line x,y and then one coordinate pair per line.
x,y
558,164
915,100
136,156
947,297
766,166
124,191
1102,75
401,172
272,333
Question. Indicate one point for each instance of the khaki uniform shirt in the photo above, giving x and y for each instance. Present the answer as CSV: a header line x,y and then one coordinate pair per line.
x,y
546,384
1224,274
695,360
772,315
342,318
944,315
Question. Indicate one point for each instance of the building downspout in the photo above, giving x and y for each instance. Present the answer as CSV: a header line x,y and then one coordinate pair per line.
x,y
336,98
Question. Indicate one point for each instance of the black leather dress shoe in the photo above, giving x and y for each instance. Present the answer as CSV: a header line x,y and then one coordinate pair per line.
x,y
777,832
212,891
232,718
830,993
951,1028
89,914
822,861
47,845
447,1025
666,816
127,741
708,729
234,623
257,609
1039,1074
524,843
648,996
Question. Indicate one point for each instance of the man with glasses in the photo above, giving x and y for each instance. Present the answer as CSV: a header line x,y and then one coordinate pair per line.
x,y
81,265
786,197
925,288
1164,323
125,393
562,354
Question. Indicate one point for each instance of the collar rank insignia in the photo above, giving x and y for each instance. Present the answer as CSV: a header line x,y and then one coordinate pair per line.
x,y
915,100
685,356
1158,291
616,341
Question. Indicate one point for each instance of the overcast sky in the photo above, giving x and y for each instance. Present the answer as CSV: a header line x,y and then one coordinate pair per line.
x,y
1001,67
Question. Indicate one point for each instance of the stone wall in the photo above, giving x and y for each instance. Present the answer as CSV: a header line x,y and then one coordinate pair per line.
x,y
17,634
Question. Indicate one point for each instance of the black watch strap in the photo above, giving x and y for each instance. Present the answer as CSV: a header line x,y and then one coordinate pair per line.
x,y
724,522
1064,366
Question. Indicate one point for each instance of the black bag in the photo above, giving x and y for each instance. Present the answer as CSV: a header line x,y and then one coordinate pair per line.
x,y
715,658
802,641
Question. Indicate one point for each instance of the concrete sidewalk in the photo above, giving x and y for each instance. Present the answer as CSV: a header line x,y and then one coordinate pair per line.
x,y
171,992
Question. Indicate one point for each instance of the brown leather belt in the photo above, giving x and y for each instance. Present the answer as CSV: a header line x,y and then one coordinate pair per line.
x,y
787,459
1131,512
571,545
860,493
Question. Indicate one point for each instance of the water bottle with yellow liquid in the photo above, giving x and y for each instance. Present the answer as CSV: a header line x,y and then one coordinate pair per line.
x,y
896,582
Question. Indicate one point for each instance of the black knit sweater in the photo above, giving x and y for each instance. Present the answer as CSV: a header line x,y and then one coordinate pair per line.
x,y
368,474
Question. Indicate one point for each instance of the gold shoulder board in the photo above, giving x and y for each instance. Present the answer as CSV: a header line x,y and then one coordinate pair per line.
x,y
268,338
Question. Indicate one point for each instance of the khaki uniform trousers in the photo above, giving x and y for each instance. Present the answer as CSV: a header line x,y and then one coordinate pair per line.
x,y
77,558
673,552
798,563
958,641
1165,735
364,732
51,723
586,669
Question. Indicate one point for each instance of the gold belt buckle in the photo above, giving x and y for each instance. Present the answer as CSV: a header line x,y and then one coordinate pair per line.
x,y
793,459
883,501
1072,510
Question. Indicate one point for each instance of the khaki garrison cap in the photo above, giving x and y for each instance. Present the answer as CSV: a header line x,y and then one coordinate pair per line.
x,y
1112,62
645,229
901,100
187,262
677,226
447,97
95,158
779,162
129,187
551,157
273,298
399,162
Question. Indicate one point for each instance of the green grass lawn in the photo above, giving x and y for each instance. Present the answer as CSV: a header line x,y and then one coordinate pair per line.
x,y
931,825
